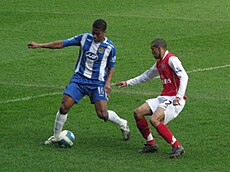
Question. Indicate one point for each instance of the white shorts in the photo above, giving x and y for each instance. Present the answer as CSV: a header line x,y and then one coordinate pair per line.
x,y
166,102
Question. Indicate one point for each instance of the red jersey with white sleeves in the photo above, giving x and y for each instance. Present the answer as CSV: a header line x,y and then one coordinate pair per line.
x,y
172,75
168,75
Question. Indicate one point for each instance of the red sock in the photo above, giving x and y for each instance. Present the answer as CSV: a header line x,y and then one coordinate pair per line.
x,y
164,131
151,142
143,127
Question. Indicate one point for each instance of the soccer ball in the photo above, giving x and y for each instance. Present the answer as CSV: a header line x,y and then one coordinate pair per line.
x,y
66,139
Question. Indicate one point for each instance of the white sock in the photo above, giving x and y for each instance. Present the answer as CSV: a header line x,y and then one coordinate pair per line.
x,y
59,123
112,116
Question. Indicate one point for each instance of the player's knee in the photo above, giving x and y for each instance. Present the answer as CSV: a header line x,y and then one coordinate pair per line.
x,y
137,114
154,121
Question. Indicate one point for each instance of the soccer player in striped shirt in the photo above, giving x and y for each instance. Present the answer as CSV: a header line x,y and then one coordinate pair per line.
x,y
168,105
92,76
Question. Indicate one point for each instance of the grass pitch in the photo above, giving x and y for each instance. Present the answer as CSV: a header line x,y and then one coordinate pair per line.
x,y
32,82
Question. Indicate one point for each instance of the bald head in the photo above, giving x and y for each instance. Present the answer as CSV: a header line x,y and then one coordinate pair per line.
x,y
158,47
159,43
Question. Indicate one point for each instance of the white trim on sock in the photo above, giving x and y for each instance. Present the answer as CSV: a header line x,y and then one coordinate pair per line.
x,y
173,140
150,137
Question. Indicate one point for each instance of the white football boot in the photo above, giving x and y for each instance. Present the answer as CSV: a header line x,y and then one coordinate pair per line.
x,y
51,140
125,131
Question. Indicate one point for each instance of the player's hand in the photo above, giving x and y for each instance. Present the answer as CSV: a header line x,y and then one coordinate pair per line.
x,y
107,89
122,84
176,101
33,45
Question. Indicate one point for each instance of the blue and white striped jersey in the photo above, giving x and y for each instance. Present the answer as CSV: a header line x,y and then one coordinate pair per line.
x,y
94,58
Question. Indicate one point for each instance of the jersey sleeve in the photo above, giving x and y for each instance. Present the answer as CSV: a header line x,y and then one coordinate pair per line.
x,y
76,40
176,65
112,57
146,76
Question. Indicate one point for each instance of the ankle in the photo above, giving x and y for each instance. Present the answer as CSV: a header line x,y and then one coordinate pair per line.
x,y
176,144
151,142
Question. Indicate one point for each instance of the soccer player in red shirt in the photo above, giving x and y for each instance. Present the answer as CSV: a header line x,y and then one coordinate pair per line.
x,y
168,105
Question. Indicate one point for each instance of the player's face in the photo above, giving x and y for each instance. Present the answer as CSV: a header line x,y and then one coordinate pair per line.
x,y
98,35
156,51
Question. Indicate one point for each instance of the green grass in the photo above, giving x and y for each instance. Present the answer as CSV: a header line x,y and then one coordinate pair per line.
x,y
196,31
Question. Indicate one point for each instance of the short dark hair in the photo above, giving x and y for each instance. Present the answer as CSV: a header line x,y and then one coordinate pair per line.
x,y
159,42
100,24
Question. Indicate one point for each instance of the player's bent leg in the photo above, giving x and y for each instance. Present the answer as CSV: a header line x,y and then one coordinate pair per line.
x,y
164,131
103,113
157,117
58,126
61,117
142,125
101,109
142,111
67,103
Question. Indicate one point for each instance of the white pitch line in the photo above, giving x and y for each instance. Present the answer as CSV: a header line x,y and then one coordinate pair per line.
x,y
29,98
122,91
122,15
200,70
206,69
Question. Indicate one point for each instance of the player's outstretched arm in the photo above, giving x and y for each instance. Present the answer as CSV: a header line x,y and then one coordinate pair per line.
x,y
51,45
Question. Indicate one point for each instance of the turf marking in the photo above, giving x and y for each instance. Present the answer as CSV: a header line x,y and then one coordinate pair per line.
x,y
114,90
123,15
207,69
29,97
